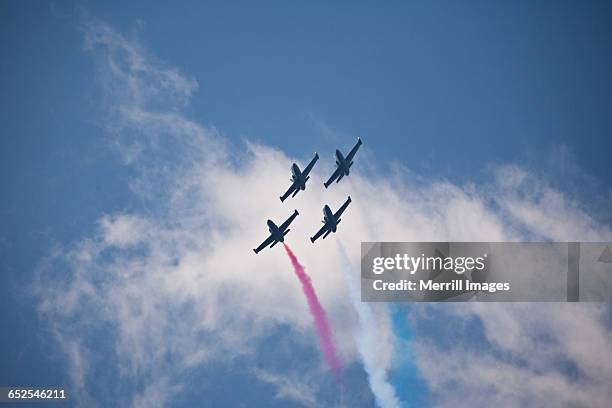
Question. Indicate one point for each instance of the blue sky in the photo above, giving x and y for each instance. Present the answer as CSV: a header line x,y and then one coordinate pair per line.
x,y
448,91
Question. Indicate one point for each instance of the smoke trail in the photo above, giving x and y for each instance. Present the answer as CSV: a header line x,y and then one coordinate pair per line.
x,y
368,342
318,314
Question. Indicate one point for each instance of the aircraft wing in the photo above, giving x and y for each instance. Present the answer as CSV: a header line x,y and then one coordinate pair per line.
x,y
310,165
341,209
289,220
320,232
349,157
288,193
264,244
333,176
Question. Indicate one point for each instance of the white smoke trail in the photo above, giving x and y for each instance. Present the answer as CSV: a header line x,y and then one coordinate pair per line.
x,y
368,341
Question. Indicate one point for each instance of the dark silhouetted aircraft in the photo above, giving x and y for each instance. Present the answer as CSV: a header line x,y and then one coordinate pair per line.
x,y
330,220
344,164
299,178
277,233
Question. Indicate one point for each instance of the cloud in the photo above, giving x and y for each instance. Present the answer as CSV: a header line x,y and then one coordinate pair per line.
x,y
123,230
533,355
153,294
289,388
157,394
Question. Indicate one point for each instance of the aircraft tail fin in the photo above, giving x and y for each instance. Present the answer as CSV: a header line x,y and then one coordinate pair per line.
x,y
297,190
327,233
286,232
339,177
274,243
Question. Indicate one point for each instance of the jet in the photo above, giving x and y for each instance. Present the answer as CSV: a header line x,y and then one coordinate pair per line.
x,y
330,220
299,178
277,233
343,164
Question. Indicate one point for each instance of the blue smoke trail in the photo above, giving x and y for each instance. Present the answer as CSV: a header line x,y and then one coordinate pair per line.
x,y
404,374
367,341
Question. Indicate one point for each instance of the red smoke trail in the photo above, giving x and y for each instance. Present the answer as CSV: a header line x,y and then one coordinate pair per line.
x,y
323,330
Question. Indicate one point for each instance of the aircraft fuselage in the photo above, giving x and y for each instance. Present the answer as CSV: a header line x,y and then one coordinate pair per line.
x,y
275,231
342,163
329,218
298,177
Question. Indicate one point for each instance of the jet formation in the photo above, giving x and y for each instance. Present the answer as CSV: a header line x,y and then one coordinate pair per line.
x,y
298,183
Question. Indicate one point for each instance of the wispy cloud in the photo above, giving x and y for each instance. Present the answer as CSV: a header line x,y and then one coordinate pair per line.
x,y
178,285
531,354
289,388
